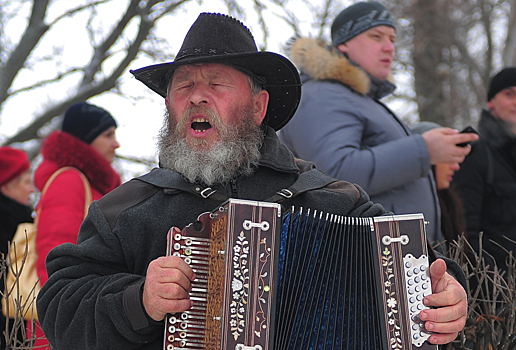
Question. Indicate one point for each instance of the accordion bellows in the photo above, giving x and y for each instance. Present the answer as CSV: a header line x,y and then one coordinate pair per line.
x,y
301,280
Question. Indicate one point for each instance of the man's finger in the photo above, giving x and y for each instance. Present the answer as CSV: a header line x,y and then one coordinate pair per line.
x,y
174,262
437,271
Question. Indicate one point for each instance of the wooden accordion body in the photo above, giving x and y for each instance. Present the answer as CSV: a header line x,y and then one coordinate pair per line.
x,y
301,280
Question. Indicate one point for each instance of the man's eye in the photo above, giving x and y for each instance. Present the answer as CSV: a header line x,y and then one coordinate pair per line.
x,y
183,86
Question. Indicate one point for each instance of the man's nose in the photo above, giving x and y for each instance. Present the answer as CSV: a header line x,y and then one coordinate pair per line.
x,y
388,45
199,95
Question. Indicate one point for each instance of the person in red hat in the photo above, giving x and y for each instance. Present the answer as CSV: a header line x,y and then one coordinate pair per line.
x,y
16,188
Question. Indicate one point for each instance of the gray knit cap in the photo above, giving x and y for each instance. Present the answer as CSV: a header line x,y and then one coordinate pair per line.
x,y
358,18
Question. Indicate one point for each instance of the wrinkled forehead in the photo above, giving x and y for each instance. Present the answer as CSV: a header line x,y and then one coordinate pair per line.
x,y
212,70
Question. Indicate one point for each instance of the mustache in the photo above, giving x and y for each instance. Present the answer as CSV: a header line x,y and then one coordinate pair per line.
x,y
186,119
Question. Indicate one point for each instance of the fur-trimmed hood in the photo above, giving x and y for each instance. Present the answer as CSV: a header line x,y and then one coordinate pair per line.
x,y
314,58
61,149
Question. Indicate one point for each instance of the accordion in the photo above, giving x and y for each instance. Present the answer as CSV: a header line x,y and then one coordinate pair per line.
x,y
301,280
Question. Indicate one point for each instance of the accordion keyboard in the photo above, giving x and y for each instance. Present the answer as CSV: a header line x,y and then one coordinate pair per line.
x,y
418,286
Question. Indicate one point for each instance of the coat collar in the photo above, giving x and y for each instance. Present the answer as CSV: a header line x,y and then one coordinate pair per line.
x,y
315,60
61,149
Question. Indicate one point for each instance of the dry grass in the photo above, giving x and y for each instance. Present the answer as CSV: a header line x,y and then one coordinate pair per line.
x,y
15,333
491,322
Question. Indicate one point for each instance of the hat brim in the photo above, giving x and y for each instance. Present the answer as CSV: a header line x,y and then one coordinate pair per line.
x,y
282,79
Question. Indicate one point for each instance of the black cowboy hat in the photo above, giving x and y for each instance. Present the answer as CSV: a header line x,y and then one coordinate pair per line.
x,y
217,38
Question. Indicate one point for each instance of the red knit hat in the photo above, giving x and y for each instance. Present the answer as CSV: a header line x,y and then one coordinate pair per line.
x,y
13,162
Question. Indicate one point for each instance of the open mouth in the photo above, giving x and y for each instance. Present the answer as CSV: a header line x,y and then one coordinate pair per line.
x,y
200,125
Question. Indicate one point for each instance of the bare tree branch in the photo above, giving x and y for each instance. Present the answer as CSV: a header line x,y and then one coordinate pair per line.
x,y
33,34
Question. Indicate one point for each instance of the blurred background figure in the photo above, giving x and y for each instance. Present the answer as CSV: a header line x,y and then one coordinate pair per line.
x,y
86,143
342,126
16,190
453,223
486,181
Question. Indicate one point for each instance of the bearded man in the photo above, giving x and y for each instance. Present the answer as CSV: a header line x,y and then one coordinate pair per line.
x,y
225,101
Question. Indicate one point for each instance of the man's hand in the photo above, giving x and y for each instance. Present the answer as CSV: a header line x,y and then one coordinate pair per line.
x,y
166,287
442,145
452,305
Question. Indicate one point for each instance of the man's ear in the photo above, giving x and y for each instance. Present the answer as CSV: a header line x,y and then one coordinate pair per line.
x,y
343,48
261,101
490,105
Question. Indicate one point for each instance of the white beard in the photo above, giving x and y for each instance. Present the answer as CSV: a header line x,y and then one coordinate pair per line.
x,y
236,153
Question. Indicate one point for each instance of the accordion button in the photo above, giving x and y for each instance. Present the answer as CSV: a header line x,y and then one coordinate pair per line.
x,y
416,271
415,327
409,273
422,267
412,300
171,329
410,282
177,246
411,290
413,309
184,316
418,289
423,277
424,285
417,279
420,306
415,336
408,265
419,297
170,347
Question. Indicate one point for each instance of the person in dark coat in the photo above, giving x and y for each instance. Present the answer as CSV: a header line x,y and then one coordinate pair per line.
x,y
224,101
16,188
486,181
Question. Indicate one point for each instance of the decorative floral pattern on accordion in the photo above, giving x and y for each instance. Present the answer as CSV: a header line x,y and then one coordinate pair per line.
x,y
240,286
390,291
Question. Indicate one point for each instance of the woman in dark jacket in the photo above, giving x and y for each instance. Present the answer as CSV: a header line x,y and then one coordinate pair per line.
x,y
16,188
